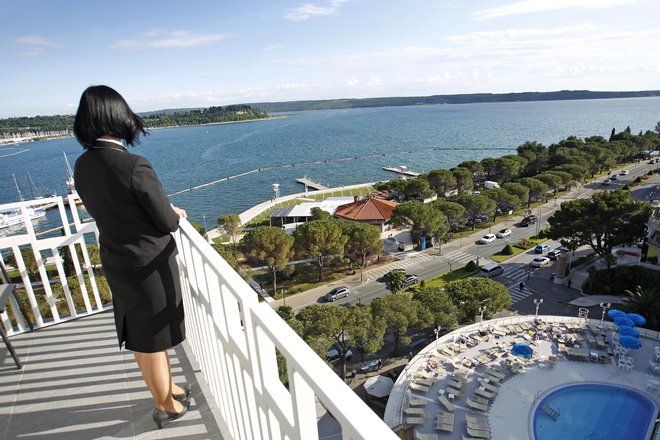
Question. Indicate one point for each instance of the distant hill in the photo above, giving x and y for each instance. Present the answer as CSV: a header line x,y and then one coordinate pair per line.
x,y
327,104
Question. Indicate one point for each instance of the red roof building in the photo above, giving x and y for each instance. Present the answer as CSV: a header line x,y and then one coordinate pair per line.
x,y
368,210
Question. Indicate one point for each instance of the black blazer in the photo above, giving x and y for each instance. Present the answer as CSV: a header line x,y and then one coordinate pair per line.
x,y
123,194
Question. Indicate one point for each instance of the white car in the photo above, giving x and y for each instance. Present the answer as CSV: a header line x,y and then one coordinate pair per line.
x,y
540,262
488,238
503,233
624,172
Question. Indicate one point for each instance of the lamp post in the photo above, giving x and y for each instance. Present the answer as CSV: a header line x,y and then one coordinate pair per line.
x,y
537,303
482,309
449,262
206,231
604,306
437,332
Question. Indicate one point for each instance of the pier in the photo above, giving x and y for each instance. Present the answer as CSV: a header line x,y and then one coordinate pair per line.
x,y
402,170
310,184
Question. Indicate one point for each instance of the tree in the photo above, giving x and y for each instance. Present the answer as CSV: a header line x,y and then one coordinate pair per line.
x,y
475,204
452,210
228,254
231,223
199,228
502,198
536,155
536,188
368,331
553,181
463,178
567,179
439,303
645,302
577,171
606,220
400,312
469,294
363,241
508,167
319,214
29,260
271,245
418,187
394,279
442,181
422,219
517,189
474,166
67,261
320,240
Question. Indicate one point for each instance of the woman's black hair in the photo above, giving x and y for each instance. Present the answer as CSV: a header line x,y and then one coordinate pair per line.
x,y
103,111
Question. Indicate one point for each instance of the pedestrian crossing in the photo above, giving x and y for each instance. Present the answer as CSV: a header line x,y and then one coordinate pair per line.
x,y
414,260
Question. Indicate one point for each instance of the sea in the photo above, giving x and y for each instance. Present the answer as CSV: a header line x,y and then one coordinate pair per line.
x,y
331,147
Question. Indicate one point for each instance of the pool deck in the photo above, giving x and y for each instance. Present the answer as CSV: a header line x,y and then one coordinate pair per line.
x,y
509,415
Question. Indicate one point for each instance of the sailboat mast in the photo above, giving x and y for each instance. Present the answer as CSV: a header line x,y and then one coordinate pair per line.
x,y
18,190
70,183
31,186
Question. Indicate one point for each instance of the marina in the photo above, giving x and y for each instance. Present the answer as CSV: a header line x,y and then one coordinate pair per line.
x,y
403,171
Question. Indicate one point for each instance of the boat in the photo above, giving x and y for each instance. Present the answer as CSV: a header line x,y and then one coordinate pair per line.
x,y
12,217
49,201
402,170
70,182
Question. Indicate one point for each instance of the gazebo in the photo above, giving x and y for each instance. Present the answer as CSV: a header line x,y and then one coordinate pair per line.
x,y
368,210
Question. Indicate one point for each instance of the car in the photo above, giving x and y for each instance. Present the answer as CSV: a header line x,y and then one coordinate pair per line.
x,y
411,279
488,238
529,220
540,262
541,249
624,172
335,294
503,233
614,177
606,182
553,254
490,270
334,358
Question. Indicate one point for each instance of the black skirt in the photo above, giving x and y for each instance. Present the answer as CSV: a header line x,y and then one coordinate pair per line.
x,y
147,304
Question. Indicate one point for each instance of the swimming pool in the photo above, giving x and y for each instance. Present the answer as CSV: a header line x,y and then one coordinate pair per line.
x,y
593,412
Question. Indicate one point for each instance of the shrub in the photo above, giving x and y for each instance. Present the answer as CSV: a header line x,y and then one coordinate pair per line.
x,y
652,260
523,244
471,266
508,250
637,180
618,279
626,187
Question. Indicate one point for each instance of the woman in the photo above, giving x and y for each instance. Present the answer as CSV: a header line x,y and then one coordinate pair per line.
x,y
124,196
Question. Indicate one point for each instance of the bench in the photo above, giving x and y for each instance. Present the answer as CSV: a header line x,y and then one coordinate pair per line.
x,y
6,292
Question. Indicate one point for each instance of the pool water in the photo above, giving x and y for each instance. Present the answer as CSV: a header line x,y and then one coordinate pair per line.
x,y
594,412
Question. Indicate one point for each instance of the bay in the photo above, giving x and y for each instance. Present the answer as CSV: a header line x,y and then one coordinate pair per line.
x,y
421,137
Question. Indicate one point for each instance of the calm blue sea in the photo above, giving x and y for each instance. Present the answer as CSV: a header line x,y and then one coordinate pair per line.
x,y
189,156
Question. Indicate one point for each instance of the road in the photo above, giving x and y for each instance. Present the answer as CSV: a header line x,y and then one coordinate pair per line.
x,y
437,261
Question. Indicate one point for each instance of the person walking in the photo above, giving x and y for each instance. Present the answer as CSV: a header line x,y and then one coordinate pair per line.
x,y
521,286
135,220
570,282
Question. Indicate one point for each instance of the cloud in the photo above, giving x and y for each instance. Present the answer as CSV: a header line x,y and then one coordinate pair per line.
x,y
520,33
533,6
31,45
351,82
309,10
167,40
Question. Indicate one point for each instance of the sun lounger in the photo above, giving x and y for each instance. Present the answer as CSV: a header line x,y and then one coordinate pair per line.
x,y
422,381
447,427
484,393
491,378
456,383
417,402
476,422
490,387
419,387
600,342
465,437
476,405
552,360
444,422
446,403
478,433
496,373
414,411
415,420
422,436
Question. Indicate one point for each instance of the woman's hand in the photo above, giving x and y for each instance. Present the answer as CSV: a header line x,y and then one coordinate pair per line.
x,y
180,212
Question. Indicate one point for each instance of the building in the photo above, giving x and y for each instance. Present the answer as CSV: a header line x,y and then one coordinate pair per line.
x,y
652,243
369,210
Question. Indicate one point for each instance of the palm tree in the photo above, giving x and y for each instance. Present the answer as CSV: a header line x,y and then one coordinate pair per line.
x,y
646,302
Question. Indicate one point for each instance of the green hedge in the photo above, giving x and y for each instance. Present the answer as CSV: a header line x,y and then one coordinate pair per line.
x,y
616,280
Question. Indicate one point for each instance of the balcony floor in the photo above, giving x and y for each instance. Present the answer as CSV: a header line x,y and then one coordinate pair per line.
x,y
76,384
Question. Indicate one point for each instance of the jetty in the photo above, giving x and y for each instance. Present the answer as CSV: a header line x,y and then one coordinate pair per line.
x,y
402,170
310,183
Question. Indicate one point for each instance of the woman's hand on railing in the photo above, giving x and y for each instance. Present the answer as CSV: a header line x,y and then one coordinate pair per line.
x,y
180,212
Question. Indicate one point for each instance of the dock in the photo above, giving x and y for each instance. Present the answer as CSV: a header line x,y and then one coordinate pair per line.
x,y
402,170
310,184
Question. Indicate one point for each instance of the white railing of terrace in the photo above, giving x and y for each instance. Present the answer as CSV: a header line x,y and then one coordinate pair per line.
x,y
63,237
235,340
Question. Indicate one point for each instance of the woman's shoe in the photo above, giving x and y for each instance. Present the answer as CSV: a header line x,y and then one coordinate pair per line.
x,y
183,396
162,418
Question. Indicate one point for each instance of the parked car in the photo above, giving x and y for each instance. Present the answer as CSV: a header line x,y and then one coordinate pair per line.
x,y
335,294
488,238
553,254
529,220
540,262
624,172
411,279
503,233
541,249
334,358
490,270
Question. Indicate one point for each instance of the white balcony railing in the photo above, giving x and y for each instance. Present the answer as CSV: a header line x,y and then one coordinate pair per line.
x,y
234,338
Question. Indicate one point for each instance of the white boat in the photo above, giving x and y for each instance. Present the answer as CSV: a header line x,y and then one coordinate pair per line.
x,y
70,182
14,217
49,201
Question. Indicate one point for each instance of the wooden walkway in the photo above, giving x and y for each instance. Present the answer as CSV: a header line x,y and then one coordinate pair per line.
x,y
310,183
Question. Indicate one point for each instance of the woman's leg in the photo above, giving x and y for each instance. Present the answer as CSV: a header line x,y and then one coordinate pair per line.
x,y
155,368
176,389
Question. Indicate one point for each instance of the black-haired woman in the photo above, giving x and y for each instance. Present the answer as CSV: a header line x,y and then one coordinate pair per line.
x,y
135,219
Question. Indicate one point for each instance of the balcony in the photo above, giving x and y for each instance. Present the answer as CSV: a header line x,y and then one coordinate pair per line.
x,y
76,384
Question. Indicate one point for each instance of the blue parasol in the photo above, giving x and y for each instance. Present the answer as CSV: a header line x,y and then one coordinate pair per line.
x,y
522,350
637,319
622,320
626,330
630,342
615,313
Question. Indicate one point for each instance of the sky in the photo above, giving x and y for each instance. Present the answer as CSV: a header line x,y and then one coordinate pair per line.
x,y
198,53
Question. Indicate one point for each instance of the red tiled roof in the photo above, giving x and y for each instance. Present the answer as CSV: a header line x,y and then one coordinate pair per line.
x,y
368,209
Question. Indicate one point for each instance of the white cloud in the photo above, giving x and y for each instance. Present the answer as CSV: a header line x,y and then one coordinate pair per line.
x,y
532,6
32,45
166,40
350,82
519,33
309,10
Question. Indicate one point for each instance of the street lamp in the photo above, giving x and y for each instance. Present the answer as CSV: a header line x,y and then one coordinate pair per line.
x,y
604,306
482,309
437,332
537,303
449,262
206,231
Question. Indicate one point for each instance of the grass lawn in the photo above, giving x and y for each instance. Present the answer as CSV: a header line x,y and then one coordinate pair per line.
x,y
304,277
445,278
